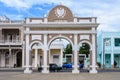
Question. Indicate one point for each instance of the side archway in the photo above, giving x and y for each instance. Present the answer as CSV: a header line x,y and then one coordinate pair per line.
x,y
85,41
85,48
36,48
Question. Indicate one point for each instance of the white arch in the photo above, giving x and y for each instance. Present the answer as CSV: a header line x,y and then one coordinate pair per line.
x,y
64,37
18,52
30,47
85,41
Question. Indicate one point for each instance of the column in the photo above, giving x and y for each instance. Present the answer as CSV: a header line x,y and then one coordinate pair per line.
x,y
36,57
93,66
0,58
45,66
75,67
14,59
102,60
112,60
23,58
10,58
112,53
61,57
3,59
49,56
27,67
1,35
21,34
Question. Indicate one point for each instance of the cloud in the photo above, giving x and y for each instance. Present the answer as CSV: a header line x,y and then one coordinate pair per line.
x,y
107,11
15,16
15,3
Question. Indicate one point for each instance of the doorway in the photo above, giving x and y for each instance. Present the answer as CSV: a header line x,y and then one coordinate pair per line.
x,y
68,58
56,59
116,61
107,60
19,59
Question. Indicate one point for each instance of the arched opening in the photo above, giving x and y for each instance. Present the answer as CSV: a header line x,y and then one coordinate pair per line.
x,y
19,59
60,51
7,59
84,55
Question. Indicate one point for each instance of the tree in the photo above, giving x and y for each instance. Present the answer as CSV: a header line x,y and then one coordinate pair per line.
x,y
84,49
68,49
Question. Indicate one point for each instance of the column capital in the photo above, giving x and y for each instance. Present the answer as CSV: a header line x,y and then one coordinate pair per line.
x,y
75,34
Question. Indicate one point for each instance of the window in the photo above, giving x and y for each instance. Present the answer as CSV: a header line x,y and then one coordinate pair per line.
x,y
17,37
69,58
107,41
7,58
10,37
55,56
117,41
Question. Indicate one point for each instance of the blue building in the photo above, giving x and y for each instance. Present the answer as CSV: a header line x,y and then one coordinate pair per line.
x,y
108,49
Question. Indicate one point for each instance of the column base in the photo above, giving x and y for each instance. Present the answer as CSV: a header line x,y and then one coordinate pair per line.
x,y
27,71
93,71
45,71
75,71
112,66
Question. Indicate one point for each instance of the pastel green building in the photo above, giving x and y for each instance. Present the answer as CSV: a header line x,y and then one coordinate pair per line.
x,y
108,50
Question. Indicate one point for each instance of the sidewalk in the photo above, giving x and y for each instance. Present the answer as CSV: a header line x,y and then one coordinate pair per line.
x,y
59,76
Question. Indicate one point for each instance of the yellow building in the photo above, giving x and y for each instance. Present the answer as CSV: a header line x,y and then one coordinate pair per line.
x,y
33,41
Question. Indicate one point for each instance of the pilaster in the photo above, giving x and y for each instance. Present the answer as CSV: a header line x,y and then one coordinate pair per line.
x,y
93,66
45,66
23,54
27,67
75,67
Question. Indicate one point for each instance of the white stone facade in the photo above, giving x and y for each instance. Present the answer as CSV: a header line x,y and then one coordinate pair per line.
x,y
33,39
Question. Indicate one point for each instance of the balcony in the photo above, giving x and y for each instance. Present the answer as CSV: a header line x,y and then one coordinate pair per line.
x,y
12,22
10,42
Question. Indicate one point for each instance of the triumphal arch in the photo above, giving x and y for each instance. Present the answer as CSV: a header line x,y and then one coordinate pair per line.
x,y
59,23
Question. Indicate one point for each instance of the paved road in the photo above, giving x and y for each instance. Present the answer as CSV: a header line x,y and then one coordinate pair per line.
x,y
17,74
68,70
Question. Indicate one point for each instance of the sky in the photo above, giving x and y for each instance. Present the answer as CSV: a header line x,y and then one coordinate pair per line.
x,y
106,11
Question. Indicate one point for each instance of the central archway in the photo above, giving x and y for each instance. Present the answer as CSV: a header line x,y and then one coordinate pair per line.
x,y
57,37
56,47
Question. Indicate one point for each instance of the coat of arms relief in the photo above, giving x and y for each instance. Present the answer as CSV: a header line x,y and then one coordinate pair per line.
x,y
60,12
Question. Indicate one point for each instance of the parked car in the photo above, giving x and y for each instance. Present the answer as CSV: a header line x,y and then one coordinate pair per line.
x,y
81,66
67,65
39,69
54,67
